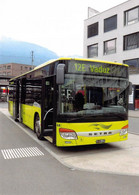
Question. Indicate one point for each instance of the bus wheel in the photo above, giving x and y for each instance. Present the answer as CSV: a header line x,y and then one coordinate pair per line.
x,y
37,127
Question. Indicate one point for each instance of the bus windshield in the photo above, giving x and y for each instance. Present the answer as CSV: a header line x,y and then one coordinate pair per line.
x,y
88,97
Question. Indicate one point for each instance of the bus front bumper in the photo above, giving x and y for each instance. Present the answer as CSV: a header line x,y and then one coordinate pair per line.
x,y
77,134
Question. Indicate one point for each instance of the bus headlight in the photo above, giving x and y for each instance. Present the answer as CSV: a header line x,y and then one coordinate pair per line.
x,y
124,130
67,133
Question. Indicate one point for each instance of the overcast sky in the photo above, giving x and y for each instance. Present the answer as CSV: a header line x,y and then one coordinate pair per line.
x,y
54,24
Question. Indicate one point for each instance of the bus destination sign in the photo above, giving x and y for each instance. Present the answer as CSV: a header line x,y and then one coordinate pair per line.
x,y
97,68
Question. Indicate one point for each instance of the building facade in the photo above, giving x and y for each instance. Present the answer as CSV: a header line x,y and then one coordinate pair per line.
x,y
113,35
13,69
8,71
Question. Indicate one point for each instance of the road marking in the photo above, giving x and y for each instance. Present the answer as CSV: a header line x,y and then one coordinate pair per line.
x,y
21,152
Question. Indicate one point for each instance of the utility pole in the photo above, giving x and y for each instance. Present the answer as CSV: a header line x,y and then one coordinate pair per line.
x,y
32,57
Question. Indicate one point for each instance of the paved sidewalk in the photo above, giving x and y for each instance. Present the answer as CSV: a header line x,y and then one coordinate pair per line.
x,y
117,158
133,113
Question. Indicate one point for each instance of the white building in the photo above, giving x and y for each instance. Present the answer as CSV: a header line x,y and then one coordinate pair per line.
x,y
113,35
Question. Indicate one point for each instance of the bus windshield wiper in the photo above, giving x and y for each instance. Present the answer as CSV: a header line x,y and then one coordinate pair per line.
x,y
118,115
82,117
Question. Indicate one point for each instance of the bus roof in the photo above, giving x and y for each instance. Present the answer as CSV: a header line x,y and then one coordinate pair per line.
x,y
67,58
79,59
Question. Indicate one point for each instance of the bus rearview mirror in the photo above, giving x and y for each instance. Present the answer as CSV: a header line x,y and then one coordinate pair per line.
x,y
60,74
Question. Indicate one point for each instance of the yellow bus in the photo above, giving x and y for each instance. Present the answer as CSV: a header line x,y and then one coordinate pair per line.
x,y
73,102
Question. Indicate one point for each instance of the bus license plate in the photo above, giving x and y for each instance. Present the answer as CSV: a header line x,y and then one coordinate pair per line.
x,y
101,141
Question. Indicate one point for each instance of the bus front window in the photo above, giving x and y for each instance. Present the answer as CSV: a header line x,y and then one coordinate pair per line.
x,y
85,96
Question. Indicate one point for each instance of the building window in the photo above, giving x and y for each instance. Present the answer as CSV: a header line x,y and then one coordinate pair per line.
x,y
93,30
131,16
9,67
4,67
110,23
110,47
93,51
133,65
131,41
132,62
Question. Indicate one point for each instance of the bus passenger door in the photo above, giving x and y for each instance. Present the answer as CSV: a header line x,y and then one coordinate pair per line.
x,y
22,94
16,107
48,107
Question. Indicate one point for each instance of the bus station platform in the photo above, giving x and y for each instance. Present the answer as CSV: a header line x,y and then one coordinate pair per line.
x,y
133,113
114,158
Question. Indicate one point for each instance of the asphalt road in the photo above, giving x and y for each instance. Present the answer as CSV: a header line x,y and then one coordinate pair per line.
x,y
23,171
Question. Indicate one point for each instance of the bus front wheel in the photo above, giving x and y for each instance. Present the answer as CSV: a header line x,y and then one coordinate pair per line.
x,y
37,127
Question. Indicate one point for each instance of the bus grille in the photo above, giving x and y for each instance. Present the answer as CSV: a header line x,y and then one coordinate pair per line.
x,y
98,133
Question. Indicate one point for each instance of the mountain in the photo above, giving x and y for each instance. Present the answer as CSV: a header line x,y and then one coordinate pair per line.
x,y
12,51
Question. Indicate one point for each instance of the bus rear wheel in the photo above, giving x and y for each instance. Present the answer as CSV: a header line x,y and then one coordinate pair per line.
x,y
37,127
